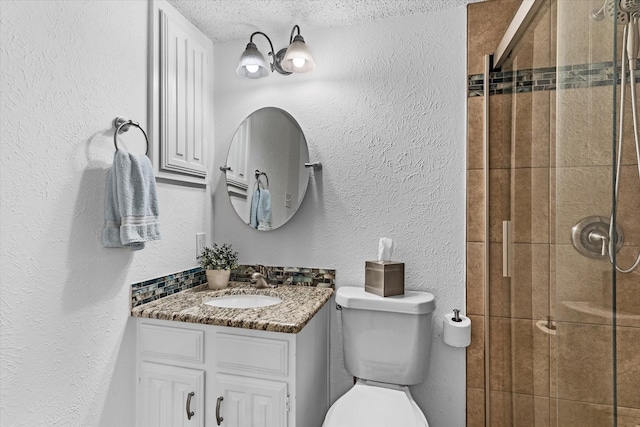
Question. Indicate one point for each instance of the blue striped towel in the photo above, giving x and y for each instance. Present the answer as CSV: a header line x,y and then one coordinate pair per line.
x,y
131,203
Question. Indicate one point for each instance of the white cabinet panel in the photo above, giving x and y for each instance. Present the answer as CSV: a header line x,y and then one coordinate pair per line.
x,y
181,96
251,354
178,344
165,399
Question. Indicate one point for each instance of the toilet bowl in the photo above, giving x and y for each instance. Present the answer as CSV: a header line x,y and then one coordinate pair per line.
x,y
371,404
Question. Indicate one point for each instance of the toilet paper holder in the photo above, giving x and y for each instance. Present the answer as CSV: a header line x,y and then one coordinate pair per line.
x,y
456,329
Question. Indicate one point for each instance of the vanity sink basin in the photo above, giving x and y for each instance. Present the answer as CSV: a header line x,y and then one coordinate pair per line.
x,y
243,301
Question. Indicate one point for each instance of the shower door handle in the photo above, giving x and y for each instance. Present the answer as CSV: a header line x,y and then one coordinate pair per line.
x,y
506,248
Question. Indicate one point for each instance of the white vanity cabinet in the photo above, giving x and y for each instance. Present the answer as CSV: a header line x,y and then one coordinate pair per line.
x,y
239,377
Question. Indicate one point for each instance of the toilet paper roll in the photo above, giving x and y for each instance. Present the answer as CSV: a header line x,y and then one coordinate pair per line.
x,y
457,334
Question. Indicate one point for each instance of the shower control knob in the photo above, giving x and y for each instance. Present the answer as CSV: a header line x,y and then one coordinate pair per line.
x,y
591,237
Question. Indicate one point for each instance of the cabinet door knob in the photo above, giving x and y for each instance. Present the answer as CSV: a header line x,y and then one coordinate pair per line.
x,y
219,419
189,412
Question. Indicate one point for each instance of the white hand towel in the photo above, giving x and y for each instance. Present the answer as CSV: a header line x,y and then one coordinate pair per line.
x,y
253,214
260,214
131,203
263,213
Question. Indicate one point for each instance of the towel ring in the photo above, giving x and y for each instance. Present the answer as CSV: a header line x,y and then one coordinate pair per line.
x,y
257,174
122,125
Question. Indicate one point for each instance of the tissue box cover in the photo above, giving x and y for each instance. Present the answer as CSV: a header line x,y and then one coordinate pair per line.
x,y
384,278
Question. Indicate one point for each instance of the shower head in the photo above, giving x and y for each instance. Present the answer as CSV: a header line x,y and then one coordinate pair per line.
x,y
623,12
630,6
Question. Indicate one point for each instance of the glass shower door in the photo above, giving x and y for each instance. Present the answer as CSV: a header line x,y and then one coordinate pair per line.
x,y
564,327
595,369
521,321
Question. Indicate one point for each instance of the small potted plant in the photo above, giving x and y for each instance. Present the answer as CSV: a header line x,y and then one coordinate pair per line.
x,y
218,261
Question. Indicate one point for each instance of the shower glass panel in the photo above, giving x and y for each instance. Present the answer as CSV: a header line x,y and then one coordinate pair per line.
x,y
564,326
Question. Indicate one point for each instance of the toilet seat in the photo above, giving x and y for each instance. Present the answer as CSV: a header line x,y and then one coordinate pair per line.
x,y
370,404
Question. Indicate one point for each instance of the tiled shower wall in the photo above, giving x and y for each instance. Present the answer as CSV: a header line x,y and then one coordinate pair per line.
x,y
545,187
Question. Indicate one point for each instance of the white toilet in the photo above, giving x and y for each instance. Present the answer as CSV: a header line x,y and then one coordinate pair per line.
x,y
386,346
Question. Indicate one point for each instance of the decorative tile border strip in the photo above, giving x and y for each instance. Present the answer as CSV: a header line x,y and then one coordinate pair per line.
x,y
550,78
301,276
160,287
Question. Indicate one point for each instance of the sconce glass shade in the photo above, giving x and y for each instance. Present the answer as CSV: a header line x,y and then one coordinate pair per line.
x,y
298,58
252,63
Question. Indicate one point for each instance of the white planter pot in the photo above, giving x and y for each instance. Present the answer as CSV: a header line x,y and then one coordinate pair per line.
x,y
218,279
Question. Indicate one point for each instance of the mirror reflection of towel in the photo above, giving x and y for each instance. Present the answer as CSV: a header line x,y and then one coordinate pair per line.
x,y
260,215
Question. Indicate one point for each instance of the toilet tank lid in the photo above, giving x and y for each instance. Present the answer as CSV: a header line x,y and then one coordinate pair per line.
x,y
412,302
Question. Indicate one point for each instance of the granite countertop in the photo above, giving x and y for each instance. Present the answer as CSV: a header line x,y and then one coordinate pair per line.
x,y
299,304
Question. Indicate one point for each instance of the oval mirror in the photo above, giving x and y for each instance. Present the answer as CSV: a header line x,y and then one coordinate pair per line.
x,y
267,179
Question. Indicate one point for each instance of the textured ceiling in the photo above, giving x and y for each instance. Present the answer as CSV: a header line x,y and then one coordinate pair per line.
x,y
225,20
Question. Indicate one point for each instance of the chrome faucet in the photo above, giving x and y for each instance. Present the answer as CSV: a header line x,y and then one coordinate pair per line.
x,y
263,281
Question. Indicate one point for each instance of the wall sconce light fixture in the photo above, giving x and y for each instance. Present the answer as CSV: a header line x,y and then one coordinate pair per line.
x,y
294,59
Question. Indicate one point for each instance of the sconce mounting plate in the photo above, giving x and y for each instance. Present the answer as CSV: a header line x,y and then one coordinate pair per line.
x,y
277,62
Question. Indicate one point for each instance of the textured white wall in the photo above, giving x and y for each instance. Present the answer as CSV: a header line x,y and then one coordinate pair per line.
x,y
385,114
67,69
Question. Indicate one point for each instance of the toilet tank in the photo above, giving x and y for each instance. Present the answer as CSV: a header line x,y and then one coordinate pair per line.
x,y
386,339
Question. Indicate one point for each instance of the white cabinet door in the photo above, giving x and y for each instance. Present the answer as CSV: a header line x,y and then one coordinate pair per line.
x,y
181,96
170,396
250,402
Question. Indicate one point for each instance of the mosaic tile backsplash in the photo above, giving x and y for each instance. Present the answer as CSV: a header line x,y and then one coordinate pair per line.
x,y
154,289
551,78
